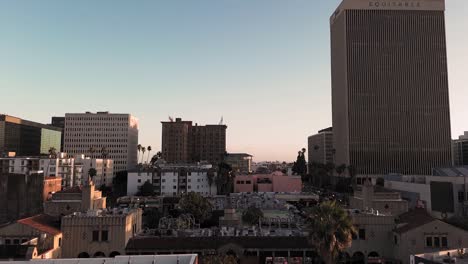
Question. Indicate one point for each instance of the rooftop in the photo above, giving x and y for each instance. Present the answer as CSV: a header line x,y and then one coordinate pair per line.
x,y
446,256
43,223
413,219
451,171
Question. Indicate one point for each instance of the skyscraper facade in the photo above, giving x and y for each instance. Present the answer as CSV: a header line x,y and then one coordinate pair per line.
x,y
389,86
320,147
27,138
184,142
103,135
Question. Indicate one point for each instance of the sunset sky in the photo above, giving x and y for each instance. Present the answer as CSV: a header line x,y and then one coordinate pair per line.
x,y
264,65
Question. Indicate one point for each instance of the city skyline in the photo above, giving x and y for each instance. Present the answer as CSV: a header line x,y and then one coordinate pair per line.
x,y
263,66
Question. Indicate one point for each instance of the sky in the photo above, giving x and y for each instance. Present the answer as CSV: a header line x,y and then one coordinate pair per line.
x,y
262,65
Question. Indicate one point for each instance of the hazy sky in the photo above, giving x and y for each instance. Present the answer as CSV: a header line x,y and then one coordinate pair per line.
x,y
262,64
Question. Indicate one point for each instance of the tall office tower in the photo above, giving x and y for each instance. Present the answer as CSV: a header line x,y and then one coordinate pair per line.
x,y
460,150
27,138
183,142
389,86
59,121
320,147
114,135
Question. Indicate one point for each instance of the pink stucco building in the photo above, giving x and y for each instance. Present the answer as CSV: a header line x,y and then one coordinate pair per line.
x,y
275,182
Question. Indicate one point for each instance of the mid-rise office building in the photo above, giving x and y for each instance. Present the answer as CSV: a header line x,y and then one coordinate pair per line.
x,y
59,121
390,95
26,138
103,135
321,147
184,142
460,150
239,162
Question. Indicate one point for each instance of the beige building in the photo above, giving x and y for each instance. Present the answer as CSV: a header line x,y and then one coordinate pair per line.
x,y
320,147
75,199
417,232
387,202
30,238
99,233
114,135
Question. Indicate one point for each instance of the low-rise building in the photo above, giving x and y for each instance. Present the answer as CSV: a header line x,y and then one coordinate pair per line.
x,y
275,182
51,185
418,232
31,238
75,199
459,255
174,179
99,233
385,201
239,162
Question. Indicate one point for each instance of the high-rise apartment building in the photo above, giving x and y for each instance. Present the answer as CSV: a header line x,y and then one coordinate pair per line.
x,y
27,138
389,86
460,150
321,147
183,142
103,135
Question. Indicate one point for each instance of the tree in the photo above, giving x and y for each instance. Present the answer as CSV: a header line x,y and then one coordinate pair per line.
x,y
251,215
352,176
52,153
138,155
119,183
92,150
155,158
225,179
146,189
92,173
149,153
300,165
330,230
196,205
218,259
210,175
380,182
151,218
340,169
143,150
106,191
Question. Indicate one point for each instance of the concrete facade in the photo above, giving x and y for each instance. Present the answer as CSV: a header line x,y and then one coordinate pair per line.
x,y
320,147
114,135
275,182
99,233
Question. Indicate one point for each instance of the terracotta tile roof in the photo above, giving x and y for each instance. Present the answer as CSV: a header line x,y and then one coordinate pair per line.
x,y
43,223
413,219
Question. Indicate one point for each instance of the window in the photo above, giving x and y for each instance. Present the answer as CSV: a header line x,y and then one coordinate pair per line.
x,y
461,196
16,241
104,235
7,242
60,242
238,182
139,180
395,239
444,242
174,187
362,234
248,182
23,241
95,235
436,242
428,241
163,180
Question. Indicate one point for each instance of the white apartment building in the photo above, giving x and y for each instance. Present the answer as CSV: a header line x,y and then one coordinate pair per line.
x,y
89,133
173,179
72,169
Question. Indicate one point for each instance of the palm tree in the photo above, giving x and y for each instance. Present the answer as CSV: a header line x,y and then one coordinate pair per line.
x,y
352,176
210,177
149,153
330,230
143,149
139,149
52,152
92,150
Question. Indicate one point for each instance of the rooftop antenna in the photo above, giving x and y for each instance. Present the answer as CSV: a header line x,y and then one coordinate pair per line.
x,y
171,119
221,121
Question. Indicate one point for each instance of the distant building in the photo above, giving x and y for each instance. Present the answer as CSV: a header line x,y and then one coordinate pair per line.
x,y
240,162
21,195
103,135
99,233
460,150
59,122
275,182
321,147
390,96
174,179
27,138
37,237
182,142
75,199
457,255
51,185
